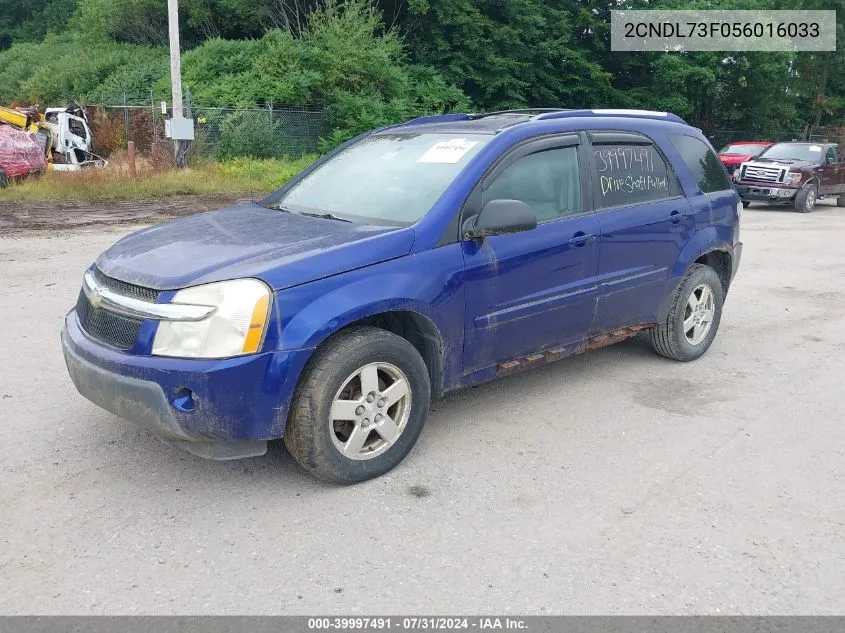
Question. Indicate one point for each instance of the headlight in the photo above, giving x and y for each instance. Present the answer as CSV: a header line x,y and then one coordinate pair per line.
x,y
236,327
793,177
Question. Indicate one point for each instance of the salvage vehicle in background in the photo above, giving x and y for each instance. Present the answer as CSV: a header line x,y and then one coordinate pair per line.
x,y
74,142
734,154
798,174
21,154
410,261
64,134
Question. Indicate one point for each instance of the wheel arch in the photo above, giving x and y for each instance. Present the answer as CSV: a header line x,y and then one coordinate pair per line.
x,y
720,260
716,255
417,328
421,332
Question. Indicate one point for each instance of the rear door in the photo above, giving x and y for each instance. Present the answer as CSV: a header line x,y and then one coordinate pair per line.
x,y
529,291
645,223
709,191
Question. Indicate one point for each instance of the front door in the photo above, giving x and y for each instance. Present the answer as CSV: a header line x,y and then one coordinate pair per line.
x,y
530,291
832,173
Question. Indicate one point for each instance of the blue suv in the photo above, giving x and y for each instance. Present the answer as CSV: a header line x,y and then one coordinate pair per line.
x,y
412,260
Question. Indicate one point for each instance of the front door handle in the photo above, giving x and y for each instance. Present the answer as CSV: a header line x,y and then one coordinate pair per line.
x,y
676,216
581,238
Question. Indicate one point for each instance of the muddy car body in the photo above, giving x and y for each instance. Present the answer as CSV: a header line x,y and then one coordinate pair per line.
x,y
411,261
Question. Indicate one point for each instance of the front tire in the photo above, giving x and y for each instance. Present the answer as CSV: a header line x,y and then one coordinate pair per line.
x,y
805,200
360,406
693,317
840,201
746,204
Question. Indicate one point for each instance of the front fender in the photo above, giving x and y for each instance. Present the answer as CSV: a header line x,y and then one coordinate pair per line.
x,y
350,303
428,283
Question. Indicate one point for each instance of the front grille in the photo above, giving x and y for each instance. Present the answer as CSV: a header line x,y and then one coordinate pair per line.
x,y
765,174
107,326
125,289
112,328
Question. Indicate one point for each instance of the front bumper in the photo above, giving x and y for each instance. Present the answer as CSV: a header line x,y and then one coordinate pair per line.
x,y
765,192
237,404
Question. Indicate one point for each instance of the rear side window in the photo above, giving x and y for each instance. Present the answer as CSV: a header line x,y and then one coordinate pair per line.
x,y
704,165
629,174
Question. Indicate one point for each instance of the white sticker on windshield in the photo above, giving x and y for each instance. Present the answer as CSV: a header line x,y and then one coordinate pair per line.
x,y
450,151
815,148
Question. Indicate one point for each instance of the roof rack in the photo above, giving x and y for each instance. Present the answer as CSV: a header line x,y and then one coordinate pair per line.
x,y
637,114
481,115
437,118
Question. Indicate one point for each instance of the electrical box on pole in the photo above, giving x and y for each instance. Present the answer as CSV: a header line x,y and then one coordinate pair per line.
x,y
181,130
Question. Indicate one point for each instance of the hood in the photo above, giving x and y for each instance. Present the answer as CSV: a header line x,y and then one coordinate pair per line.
x,y
785,163
248,240
735,159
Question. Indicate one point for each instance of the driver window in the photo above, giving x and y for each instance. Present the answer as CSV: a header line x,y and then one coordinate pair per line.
x,y
76,128
548,181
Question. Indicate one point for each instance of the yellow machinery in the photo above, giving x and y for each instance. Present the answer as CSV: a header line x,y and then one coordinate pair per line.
x,y
15,117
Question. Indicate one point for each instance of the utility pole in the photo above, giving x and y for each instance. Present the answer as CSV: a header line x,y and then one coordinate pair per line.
x,y
179,146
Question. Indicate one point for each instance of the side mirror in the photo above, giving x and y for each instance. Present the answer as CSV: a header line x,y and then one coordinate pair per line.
x,y
498,217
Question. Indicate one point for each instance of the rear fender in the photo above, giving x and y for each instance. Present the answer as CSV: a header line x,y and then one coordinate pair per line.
x,y
709,239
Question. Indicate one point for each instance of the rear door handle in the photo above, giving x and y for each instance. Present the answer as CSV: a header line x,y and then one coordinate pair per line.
x,y
581,238
676,216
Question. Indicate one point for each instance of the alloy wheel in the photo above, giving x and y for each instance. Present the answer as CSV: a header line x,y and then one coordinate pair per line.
x,y
698,315
370,411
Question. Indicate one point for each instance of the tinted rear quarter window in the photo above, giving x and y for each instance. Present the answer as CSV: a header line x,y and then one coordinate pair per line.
x,y
704,165
629,174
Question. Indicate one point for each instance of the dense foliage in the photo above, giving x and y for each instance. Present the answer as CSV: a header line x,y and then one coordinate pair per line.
x,y
370,64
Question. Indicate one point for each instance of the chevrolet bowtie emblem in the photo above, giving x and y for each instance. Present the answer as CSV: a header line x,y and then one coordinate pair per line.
x,y
95,298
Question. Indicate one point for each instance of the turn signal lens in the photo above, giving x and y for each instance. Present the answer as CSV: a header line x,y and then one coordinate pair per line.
x,y
256,326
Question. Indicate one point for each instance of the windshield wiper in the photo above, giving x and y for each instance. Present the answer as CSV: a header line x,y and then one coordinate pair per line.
x,y
325,216
279,207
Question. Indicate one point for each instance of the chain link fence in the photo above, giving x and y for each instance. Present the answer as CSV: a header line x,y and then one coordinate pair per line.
x,y
219,133
293,131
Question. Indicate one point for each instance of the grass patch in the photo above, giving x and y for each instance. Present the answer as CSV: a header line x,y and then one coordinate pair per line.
x,y
235,176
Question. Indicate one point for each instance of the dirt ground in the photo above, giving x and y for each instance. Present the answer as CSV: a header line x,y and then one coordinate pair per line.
x,y
26,217
615,482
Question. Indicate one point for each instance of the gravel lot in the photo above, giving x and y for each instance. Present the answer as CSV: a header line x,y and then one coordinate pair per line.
x,y
615,482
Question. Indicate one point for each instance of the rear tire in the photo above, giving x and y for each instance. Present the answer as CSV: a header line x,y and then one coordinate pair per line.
x,y
840,201
4,180
349,421
693,317
746,204
805,200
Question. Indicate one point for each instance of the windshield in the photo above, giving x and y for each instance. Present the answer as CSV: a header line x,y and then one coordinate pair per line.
x,y
391,179
741,149
794,151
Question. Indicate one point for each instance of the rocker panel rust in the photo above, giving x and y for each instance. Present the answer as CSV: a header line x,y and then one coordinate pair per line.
x,y
573,349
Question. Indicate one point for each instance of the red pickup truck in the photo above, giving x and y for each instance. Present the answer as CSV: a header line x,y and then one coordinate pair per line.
x,y
793,173
734,154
